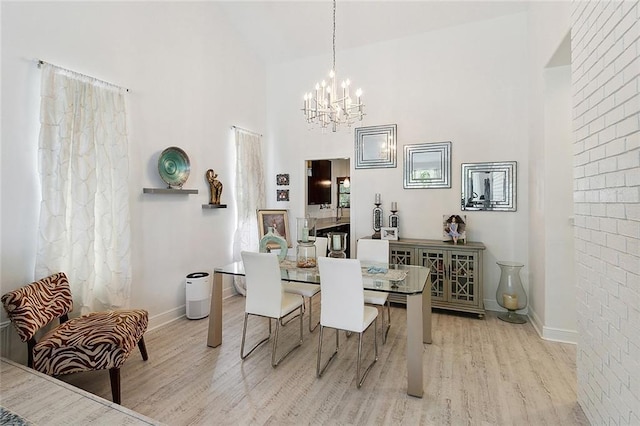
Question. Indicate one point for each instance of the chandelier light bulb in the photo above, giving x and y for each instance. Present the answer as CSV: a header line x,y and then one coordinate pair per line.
x,y
359,92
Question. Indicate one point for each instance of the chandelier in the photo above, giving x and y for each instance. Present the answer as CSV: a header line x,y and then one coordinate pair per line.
x,y
326,105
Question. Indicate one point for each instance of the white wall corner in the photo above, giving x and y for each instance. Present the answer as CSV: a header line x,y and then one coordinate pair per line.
x,y
552,334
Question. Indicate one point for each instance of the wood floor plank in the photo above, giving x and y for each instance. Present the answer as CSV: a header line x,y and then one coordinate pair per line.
x,y
477,372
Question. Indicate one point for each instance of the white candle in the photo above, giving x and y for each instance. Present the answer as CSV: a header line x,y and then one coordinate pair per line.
x,y
305,235
510,301
394,206
336,242
377,198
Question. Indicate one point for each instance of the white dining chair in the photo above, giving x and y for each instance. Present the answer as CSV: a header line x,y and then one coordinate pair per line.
x,y
376,251
321,246
308,290
342,308
266,298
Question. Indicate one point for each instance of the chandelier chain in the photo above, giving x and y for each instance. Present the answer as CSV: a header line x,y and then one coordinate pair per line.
x,y
334,37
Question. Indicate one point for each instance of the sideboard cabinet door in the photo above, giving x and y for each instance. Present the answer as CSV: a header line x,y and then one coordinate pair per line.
x,y
456,271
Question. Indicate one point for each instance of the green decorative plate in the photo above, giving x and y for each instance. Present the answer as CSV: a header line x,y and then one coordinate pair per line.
x,y
174,166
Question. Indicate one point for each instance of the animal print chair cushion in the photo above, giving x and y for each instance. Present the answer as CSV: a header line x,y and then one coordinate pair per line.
x,y
33,306
100,340
92,342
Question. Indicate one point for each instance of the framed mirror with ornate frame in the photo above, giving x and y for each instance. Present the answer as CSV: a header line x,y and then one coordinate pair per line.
x,y
375,146
427,165
489,186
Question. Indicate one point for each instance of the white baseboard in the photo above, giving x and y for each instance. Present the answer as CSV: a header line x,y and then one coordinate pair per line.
x,y
166,317
171,315
551,333
545,332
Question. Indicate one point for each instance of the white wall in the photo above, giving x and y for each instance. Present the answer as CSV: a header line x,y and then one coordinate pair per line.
x,y
606,109
551,285
467,85
190,78
560,294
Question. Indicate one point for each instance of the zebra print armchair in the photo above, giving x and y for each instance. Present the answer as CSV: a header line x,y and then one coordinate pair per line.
x,y
97,341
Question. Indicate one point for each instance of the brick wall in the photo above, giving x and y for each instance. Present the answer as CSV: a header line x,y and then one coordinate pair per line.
x,y
606,109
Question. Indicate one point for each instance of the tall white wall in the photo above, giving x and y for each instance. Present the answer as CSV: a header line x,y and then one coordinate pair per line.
x,y
606,109
550,205
189,77
466,84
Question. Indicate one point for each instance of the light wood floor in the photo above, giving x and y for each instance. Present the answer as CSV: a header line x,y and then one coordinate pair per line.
x,y
477,372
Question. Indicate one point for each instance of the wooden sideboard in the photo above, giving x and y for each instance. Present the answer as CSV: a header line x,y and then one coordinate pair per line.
x,y
456,271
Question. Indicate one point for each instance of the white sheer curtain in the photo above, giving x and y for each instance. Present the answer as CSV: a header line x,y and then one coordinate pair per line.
x,y
84,165
250,190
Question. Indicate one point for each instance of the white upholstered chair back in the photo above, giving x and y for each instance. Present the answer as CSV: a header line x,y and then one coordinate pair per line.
x,y
373,251
321,246
342,294
264,286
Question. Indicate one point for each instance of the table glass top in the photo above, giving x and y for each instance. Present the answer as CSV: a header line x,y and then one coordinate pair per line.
x,y
413,282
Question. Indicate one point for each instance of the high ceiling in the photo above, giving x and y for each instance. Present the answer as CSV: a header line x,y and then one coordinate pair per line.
x,y
285,30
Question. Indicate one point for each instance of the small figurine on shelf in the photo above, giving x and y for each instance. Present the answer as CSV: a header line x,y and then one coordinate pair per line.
x,y
215,187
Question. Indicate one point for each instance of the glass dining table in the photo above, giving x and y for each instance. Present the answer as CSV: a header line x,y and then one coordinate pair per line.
x,y
412,281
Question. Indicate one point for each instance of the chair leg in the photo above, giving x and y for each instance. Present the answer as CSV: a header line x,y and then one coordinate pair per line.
x,y
275,363
244,335
143,349
283,322
31,343
385,330
312,329
319,371
375,345
114,375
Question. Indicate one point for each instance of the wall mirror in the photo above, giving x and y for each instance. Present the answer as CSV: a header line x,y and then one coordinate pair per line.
x,y
489,186
427,165
376,146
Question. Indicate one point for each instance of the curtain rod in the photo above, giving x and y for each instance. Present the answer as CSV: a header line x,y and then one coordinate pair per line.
x,y
41,62
246,130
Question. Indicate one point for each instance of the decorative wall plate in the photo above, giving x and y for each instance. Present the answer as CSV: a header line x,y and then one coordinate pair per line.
x,y
174,166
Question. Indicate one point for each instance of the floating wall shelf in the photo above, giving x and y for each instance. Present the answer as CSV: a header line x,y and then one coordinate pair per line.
x,y
169,191
214,206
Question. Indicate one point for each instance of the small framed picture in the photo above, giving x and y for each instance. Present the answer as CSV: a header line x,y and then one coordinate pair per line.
x,y
454,228
282,179
276,219
283,194
389,233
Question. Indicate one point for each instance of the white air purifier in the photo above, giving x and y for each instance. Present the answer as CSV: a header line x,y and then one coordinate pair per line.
x,y
198,292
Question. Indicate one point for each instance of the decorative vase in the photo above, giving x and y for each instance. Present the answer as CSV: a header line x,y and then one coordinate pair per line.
x,y
377,219
271,241
510,294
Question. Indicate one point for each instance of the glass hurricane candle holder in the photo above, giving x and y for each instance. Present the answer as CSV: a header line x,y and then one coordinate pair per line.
x,y
337,242
510,294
